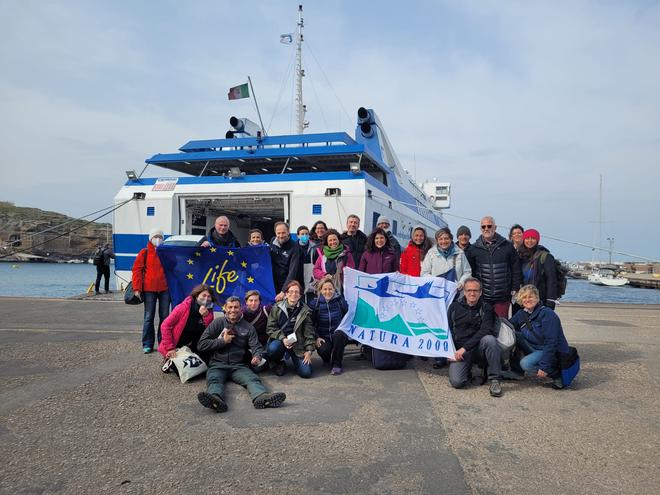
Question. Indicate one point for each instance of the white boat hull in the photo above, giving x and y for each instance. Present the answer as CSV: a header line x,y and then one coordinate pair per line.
x,y
596,279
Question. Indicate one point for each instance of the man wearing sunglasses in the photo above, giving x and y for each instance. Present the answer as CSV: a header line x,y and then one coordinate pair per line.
x,y
496,264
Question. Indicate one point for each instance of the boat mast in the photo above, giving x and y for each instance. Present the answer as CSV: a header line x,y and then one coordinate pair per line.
x,y
600,216
300,73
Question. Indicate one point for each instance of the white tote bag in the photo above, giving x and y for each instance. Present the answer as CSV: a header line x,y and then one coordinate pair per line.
x,y
506,334
188,364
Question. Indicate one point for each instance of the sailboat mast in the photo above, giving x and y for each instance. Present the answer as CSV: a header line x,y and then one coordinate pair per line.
x,y
600,216
300,107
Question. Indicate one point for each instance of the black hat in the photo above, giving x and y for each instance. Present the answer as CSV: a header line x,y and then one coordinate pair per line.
x,y
463,230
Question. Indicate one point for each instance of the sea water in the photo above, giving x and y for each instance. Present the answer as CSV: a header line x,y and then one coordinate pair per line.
x,y
68,279
48,279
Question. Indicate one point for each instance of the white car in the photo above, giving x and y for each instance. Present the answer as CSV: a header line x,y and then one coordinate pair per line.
x,y
183,240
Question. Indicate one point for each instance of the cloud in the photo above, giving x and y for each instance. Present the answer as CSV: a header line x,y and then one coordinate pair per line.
x,y
521,105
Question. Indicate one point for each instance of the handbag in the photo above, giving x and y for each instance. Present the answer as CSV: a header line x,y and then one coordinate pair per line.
x,y
129,294
506,334
188,364
130,297
569,365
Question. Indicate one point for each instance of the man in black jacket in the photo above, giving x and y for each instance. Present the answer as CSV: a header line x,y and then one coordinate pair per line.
x,y
354,238
496,264
285,256
226,339
472,322
220,235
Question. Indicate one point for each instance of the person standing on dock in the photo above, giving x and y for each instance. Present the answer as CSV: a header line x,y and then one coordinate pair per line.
x,y
354,238
495,263
384,223
463,236
516,235
102,258
538,267
149,281
220,235
285,256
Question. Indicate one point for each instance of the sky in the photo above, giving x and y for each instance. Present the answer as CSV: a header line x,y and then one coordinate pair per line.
x,y
521,105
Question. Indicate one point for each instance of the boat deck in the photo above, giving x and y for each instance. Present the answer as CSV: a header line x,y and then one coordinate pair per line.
x,y
84,411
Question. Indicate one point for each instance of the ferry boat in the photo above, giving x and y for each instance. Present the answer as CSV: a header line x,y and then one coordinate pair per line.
x,y
256,180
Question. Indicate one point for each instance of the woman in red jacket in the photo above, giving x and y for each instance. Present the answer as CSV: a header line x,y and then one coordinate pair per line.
x,y
413,255
150,283
187,322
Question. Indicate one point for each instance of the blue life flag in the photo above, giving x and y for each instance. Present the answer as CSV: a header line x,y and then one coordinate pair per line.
x,y
228,271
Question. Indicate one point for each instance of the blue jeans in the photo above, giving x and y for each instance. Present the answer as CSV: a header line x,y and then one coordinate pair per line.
x,y
533,353
275,352
150,299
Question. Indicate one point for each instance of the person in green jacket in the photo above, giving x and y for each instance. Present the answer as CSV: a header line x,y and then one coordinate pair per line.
x,y
291,331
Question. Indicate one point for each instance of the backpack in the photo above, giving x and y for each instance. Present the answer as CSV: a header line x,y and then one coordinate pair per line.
x,y
99,258
560,270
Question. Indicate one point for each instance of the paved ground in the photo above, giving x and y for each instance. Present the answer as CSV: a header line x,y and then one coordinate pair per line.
x,y
83,411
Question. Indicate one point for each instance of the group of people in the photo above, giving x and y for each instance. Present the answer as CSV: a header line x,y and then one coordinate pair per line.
x,y
250,336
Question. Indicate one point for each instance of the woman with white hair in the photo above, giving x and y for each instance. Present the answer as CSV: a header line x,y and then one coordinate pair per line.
x,y
149,282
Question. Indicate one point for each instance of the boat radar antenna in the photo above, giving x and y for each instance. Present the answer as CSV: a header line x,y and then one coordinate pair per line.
x,y
301,108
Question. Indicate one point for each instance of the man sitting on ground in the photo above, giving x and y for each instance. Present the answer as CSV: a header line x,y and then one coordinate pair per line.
x,y
227,339
471,321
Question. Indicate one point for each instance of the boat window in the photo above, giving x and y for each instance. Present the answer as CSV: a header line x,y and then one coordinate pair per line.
x,y
379,175
394,227
374,220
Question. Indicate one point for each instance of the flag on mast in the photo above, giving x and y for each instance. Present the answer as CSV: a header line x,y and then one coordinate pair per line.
x,y
287,39
238,92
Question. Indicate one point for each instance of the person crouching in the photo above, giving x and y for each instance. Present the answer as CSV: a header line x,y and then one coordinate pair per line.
x,y
227,339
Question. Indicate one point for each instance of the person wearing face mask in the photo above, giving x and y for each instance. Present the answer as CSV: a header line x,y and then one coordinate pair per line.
x,y
186,323
412,256
328,309
305,267
335,257
149,282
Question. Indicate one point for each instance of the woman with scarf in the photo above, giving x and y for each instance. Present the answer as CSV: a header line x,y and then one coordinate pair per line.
x,y
379,255
538,267
291,331
447,260
412,256
335,256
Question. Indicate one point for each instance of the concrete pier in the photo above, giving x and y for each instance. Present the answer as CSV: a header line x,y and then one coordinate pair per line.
x,y
82,410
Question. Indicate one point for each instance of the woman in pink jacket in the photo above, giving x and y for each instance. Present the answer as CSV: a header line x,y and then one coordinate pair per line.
x,y
333,258
187,322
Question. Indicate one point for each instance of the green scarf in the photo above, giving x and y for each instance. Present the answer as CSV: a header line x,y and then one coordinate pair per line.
x,y
332,254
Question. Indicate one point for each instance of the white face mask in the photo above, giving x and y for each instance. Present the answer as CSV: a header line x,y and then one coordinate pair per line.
x,y
156,241
203,301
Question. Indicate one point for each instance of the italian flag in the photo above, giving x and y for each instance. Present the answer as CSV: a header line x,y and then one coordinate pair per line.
x,y
238,92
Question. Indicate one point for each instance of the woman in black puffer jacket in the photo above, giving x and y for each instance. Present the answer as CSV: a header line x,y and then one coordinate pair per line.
x,y
328,309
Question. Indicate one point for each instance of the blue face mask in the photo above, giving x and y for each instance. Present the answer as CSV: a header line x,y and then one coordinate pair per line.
x,y
303,239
